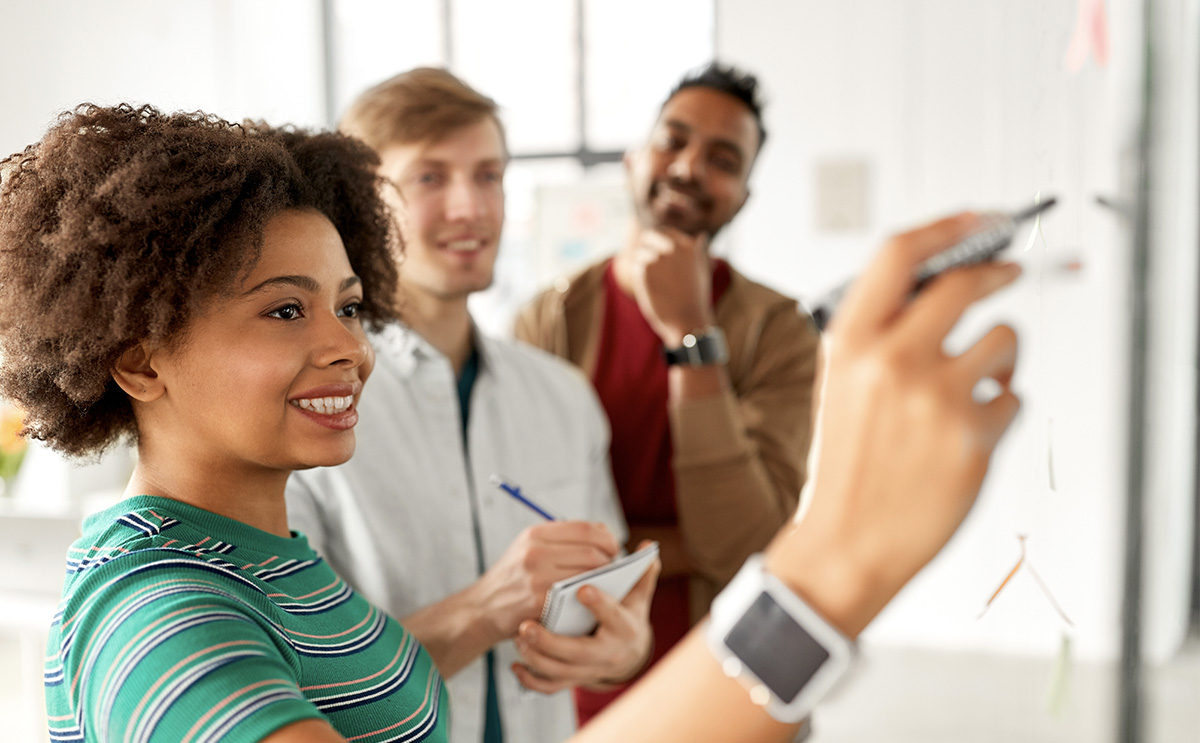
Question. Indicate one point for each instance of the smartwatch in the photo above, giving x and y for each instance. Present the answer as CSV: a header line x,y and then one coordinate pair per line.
x,y
775,644
700,348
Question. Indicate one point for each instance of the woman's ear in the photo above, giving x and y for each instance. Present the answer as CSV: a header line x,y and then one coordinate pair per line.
x,y
135,374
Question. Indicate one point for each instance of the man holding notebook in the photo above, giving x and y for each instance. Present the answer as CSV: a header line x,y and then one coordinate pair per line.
x,y
413,520
706,376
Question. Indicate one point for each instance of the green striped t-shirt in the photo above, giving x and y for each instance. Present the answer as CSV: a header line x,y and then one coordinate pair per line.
x,y
180,625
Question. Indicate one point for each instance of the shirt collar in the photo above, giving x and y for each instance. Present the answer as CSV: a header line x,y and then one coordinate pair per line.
x,y
408,349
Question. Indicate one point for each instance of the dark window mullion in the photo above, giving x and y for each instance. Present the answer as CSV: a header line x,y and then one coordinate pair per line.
x,y
586,157
584,154
581,76
329,62
448,34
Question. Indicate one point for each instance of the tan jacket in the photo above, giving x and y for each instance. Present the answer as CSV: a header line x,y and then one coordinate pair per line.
x,y
739,458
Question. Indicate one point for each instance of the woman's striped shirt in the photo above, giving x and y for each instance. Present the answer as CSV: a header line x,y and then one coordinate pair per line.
x,y
180,625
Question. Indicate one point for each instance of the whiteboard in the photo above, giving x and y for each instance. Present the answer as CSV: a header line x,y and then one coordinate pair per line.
x,y
957,105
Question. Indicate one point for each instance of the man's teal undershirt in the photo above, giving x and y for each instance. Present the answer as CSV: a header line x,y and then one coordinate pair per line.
x,y
492,730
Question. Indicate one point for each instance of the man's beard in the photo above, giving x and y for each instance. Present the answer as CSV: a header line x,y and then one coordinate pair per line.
x,y
652,218
691,219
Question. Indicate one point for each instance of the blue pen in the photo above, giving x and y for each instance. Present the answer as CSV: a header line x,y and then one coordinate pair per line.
x,y
515,492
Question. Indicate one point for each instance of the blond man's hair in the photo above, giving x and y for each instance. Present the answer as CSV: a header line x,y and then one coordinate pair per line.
x,y
421,105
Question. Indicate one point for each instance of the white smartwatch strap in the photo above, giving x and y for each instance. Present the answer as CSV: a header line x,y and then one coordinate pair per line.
x,y
778,647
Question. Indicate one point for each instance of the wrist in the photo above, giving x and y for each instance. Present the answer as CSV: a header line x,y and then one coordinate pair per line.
x,y
698,347
487,624
672,334
773,641
845,589
672,337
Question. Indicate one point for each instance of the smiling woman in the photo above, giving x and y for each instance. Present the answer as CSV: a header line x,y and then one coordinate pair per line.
x,y
123,221
200,287
264,381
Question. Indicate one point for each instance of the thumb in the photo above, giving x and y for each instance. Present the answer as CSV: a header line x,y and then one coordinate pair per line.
x,y
640,596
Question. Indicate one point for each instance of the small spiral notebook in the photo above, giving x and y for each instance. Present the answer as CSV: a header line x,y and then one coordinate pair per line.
x,y
563,614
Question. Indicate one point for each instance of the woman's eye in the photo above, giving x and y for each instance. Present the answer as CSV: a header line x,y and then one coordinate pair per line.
x,y
351,310
287,312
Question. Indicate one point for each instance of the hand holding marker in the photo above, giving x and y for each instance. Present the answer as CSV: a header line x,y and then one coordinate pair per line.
x,y
995,234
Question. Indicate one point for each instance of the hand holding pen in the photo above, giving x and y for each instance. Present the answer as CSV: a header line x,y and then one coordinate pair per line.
x,y
618,648
514,586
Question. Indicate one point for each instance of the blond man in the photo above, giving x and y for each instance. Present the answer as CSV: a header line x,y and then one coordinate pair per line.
x,y
412,521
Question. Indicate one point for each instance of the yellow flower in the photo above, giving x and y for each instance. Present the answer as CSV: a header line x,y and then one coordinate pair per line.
x,y
11,421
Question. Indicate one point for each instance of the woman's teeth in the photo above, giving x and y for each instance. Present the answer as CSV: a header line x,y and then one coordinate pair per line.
x,y
325,405
464,245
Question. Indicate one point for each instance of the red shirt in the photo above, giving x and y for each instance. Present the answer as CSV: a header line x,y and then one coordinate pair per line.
x,y
631,382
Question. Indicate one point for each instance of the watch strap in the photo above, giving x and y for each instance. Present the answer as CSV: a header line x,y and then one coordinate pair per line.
x,y
778,647
703,347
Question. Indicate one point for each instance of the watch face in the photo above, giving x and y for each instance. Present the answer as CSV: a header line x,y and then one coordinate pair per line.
x,y
775,648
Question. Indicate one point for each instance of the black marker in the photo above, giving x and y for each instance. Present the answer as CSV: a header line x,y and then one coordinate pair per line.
x,y
995,234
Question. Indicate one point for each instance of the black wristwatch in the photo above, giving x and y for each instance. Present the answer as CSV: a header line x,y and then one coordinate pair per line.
x,y
700,348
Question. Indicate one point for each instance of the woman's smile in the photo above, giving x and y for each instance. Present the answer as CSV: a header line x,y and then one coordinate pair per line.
x,y
330,405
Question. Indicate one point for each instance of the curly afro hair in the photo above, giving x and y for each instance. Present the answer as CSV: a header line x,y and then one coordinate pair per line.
x,y
122,221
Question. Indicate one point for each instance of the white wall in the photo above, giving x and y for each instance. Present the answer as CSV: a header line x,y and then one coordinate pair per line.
x,y
957,105
235,58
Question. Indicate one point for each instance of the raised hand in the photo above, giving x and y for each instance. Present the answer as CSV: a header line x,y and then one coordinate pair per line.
x,y
903,444
671,278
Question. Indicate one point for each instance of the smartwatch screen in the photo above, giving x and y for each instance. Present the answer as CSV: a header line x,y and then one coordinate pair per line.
x,y
775,648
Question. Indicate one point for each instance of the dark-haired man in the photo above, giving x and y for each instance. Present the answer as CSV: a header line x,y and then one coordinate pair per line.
x,y
706,376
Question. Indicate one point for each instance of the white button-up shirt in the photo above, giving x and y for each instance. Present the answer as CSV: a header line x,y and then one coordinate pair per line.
x,y
396,520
